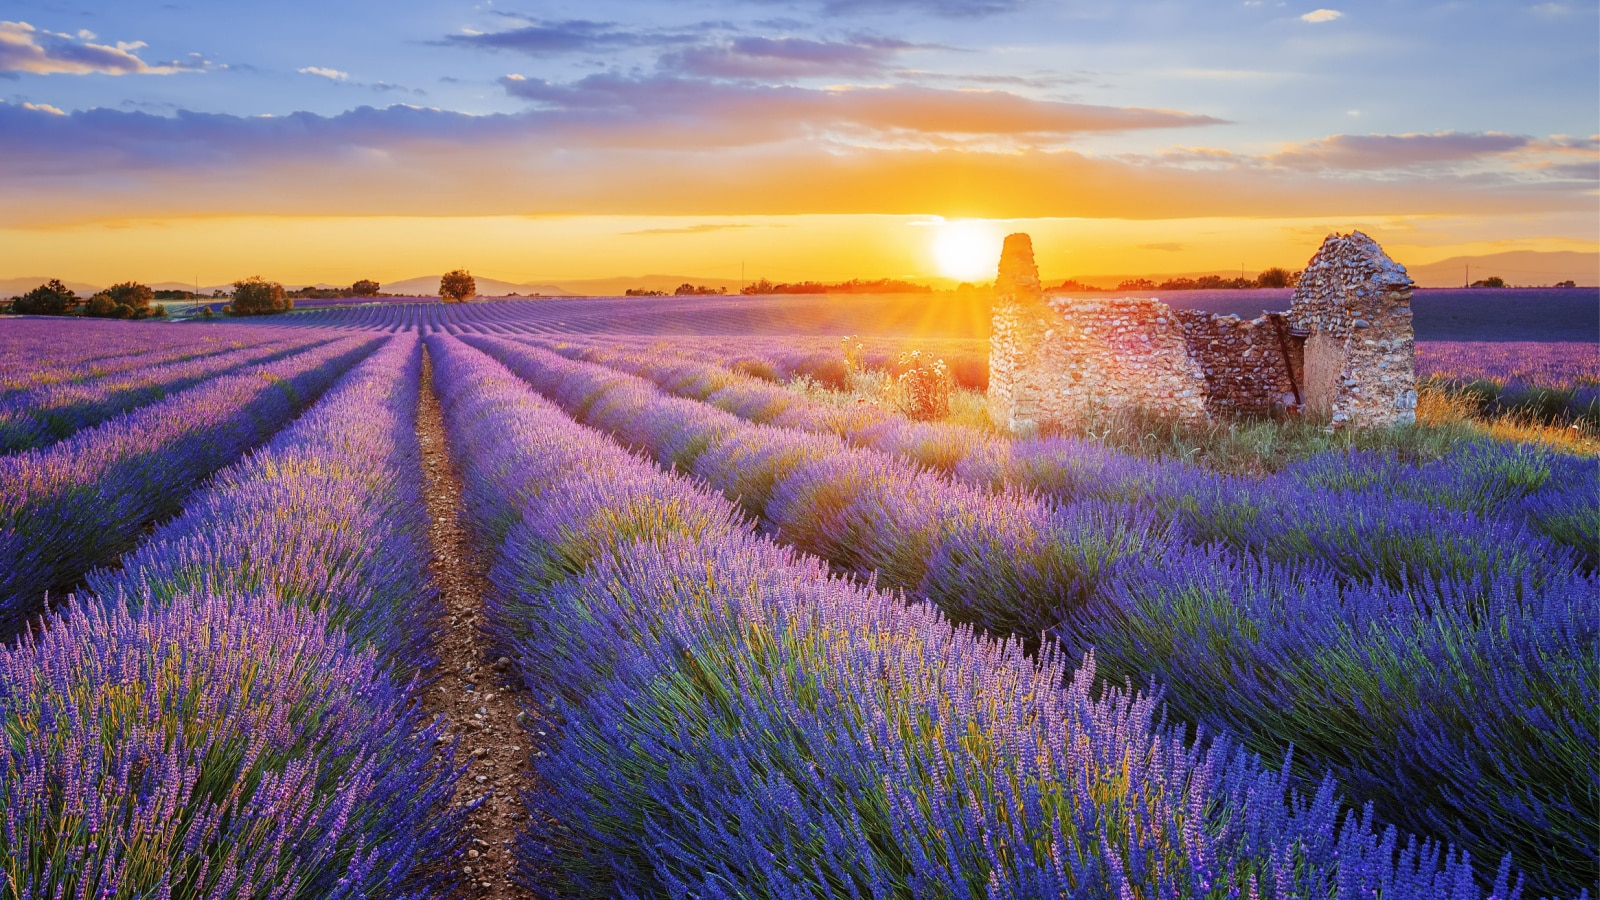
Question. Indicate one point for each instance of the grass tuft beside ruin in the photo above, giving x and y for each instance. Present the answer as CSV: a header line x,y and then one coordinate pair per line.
x,y
1446,417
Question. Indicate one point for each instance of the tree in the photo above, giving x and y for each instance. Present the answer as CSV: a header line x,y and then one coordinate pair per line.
x,y
1493,281
128,300
457,286
1275,277
365,288
49,299
100,306
255,296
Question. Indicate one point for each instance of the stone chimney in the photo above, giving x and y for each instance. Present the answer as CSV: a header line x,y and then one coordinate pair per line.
x,y
1018,279
1020,323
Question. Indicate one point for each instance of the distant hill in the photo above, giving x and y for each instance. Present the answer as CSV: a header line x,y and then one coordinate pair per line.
x,y
1520,267
11,287
1517,267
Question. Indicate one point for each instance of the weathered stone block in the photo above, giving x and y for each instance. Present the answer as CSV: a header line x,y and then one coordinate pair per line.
x,y
1054,360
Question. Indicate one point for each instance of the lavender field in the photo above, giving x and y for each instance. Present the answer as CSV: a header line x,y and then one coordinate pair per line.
x,y
714,627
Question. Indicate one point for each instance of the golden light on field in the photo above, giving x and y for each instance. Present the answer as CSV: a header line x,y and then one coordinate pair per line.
x,y
967,250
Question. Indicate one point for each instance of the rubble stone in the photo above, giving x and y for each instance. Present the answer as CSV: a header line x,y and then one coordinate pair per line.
x,y
1343,352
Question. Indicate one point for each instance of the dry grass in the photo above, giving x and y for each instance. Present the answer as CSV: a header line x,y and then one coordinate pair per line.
x,y
1444,420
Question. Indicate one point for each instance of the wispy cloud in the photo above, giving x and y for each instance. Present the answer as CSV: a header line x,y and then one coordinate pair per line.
x,y
957,9
702,228
1322,15
786,58
1038,80
321,72
409,160
742,113
554,38
24,48
1396,151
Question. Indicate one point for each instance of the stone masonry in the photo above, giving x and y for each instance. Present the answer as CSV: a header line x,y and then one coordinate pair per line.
x,y
1342,352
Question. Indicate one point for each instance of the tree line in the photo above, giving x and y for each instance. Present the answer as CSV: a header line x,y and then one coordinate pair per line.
x,y
253,296
853,286
128,300
1275,277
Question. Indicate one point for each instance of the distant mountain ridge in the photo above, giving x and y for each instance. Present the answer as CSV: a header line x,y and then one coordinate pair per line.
x,y
1520,267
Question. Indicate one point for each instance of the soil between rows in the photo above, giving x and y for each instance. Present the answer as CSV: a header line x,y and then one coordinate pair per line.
x,y
478,697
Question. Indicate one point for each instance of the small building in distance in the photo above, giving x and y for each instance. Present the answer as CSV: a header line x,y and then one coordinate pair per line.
x,y
1343,352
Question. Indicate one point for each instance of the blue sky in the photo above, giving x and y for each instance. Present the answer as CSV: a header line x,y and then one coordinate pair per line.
x,y
998,108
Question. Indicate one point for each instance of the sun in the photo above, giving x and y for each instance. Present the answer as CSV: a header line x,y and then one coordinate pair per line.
x,y
968,250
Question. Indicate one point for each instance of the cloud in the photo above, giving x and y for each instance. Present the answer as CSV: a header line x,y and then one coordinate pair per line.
x,y
384,87
1039,81
24,48
687,229
742,113
781,59
320,72
554,38
955,9
414,161
1322,15
1355,152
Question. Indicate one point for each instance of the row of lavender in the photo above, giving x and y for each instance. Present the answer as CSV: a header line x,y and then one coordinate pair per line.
x,y
1553,382
1550,382
1435,658
230,712
39,351
85,500
733,721
1545,491
49,412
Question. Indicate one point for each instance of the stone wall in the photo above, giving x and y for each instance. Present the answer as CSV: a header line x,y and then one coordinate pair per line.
x,y
1064,361
1355,302
1343,351
1253,367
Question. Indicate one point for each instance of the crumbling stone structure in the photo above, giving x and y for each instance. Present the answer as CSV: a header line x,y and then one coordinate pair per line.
x,y
1343,352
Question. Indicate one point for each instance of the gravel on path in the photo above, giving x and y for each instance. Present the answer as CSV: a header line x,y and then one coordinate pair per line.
x,y
478,694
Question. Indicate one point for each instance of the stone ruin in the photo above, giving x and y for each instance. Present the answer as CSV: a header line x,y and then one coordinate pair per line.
x,y
1342,353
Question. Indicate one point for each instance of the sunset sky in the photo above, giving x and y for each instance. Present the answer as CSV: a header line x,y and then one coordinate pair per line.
x,y
831,139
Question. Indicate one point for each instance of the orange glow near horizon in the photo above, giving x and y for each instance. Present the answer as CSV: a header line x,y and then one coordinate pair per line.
x,y
565,249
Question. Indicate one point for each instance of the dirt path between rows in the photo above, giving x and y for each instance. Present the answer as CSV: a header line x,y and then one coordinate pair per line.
x,y
479,696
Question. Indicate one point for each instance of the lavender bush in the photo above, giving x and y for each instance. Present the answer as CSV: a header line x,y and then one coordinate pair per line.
x,y
222,747
1462,708
47,413
52,350
327,515
84,500
734,722
1013,564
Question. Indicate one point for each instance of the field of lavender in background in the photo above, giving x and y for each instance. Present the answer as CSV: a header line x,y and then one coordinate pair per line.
x,y
780,644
